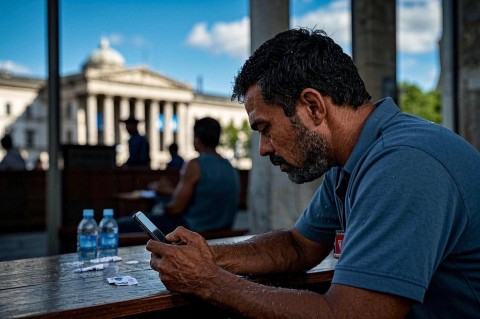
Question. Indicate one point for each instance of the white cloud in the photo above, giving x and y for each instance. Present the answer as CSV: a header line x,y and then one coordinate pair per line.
x,y
115,38
139,41
418,28
409,63
334,19
13,67
419,25
120,39
232,38
199,36
419,71
426,79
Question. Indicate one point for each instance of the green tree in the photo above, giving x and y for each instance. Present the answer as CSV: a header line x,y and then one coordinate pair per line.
x,y
237,139
230,135
414,101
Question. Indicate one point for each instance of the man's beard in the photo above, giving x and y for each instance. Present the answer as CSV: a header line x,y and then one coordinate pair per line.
x,y
311,148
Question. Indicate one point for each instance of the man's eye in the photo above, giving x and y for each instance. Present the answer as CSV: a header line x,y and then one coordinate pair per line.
x,y
264,130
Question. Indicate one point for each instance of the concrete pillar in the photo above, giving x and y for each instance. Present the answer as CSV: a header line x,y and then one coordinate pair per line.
x,y
92,125
469,70
374,46
108,121
71,118
81,125
167,123
153,133
264,24
448,60
124,113
274,202
183,129
140,115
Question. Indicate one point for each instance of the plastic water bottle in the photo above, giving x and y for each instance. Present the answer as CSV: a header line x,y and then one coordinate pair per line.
x,y
108,234
87,236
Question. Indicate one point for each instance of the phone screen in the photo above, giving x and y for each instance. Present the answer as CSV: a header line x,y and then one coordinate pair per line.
x,y
148,227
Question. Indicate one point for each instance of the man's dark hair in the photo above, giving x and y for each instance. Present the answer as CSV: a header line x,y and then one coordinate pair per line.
x,y
297,59
208,131
173,148
7,142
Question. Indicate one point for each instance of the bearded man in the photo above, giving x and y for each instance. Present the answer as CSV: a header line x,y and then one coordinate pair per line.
x,y
400,190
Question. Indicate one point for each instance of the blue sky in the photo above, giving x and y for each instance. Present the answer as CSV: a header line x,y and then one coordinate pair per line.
x,y
186,39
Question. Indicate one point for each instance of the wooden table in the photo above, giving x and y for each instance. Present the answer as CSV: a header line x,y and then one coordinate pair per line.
x,y
48,287
130,202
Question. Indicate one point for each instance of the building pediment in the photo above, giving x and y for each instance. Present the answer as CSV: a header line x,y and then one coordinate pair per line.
x,y
138,76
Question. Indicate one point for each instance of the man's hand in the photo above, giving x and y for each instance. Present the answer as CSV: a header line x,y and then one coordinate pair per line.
x,y
186,268
162,187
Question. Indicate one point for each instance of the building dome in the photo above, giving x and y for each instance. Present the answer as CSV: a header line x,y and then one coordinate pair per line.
x,y
105,57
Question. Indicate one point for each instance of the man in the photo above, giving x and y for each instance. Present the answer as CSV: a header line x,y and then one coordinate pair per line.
x,y
12,160
207,194
138,146
403,190
176,161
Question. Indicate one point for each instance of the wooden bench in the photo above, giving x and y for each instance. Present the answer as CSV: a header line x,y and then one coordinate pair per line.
x,y
68,237
23,194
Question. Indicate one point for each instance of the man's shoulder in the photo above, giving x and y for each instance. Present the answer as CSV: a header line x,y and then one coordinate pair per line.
x,y
429,139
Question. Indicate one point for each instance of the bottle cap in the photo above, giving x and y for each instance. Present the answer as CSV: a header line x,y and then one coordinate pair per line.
x,y
108,212
88,213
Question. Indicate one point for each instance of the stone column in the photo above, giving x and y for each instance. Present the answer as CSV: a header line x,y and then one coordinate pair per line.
x,y
124,113
108,121
449,70
92,125
374,46
167,123
273,200
153,134
183,130
469,70
81,124
140,115
69,126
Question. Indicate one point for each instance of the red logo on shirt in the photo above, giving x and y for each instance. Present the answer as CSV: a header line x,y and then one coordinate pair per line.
x,y
337,249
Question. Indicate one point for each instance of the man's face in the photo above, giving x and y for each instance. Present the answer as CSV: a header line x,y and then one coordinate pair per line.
x,y
300,152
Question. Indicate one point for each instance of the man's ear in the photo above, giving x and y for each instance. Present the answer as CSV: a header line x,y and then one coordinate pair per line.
x,y
315,105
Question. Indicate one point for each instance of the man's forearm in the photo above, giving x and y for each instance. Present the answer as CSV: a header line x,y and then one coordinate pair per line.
x,y
253,300
273,252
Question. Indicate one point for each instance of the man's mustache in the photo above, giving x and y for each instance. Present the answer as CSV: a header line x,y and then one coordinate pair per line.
x,y
277,160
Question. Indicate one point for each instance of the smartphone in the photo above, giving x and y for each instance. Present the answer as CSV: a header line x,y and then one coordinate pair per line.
x,y
148,227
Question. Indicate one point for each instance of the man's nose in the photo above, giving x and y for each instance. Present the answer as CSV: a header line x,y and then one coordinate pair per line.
x,y
265,146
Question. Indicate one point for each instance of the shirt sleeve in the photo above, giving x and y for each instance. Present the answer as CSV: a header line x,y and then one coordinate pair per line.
x,y
405,217
320,219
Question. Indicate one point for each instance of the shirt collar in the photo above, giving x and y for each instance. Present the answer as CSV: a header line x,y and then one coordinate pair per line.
x,y
385,109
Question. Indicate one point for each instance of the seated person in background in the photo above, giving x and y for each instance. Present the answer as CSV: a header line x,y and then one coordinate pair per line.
x,y
176,161
12,160
207,194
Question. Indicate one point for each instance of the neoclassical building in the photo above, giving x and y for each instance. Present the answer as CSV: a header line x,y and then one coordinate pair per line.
x,y
94,101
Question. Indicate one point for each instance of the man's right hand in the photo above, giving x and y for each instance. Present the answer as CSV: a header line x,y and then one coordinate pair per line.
x,y
162,187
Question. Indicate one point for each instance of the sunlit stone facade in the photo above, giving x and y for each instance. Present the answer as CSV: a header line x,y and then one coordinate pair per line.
x,y
94,101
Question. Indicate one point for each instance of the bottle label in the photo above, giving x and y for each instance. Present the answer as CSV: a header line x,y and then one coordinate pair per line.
x,y
88,242
109,240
